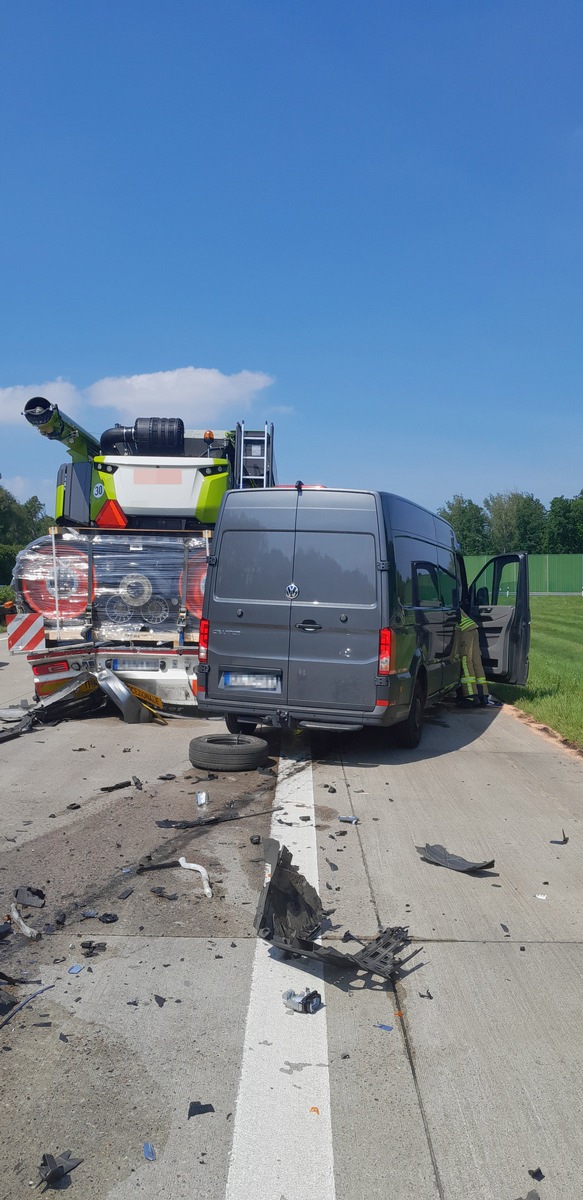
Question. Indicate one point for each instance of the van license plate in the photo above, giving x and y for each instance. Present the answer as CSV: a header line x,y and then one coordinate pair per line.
x,y
263,683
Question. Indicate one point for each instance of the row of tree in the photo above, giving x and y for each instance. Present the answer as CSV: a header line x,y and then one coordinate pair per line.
x,y
510,521
19,524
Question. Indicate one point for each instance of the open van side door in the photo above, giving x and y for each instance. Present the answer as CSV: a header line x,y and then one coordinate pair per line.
x,y
498,601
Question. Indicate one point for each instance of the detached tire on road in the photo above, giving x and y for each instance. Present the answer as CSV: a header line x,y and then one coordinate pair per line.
x,y
228,751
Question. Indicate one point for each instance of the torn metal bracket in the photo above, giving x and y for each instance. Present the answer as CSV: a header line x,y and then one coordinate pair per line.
x,y
442,858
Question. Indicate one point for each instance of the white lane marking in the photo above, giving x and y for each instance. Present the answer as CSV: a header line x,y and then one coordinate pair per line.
x,y
282,1139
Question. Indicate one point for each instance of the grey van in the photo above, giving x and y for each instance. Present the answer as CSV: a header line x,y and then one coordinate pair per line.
x,y
336,609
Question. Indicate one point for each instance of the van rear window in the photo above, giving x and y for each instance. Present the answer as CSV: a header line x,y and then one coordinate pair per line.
x,y
254,564
336,568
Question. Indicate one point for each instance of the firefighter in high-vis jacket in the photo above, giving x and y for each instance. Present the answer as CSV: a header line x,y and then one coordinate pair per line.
x,y
473,690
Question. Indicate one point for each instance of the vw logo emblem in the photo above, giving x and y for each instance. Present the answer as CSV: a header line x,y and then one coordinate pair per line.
x,y
292,591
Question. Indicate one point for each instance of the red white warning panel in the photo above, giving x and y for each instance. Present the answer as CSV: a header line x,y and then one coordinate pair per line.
x,y
26,632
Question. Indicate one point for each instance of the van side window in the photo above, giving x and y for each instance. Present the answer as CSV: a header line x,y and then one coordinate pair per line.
x,y
254,565
449,589
335,568
426,588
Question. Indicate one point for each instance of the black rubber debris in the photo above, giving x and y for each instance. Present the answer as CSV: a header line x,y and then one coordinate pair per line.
x,y
5,930
168,775
290,912
72,807
255,839
349,937
333,866
90,948
196,1109
220,820
442,858
537,1174
60,919
63,1037
6,1002
289,907
126,892
54,1167
30,897
426,995
305,818
163,894
160,1001
506,929
137,783
108,918
115,787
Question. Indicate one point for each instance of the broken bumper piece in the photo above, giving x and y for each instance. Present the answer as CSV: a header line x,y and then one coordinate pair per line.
x,y
290,913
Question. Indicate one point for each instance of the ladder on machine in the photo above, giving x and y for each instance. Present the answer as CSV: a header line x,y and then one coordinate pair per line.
x,y
254,465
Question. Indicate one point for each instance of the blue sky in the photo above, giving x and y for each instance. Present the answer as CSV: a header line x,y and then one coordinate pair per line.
x,y
360,220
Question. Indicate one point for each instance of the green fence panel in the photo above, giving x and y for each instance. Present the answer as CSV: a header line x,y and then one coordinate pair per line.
x,y
548,573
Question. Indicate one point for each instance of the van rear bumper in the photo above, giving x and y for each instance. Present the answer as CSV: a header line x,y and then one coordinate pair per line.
x,y
281,718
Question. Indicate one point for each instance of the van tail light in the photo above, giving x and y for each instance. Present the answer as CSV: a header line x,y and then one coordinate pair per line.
x,y
50,668
203,641
385,652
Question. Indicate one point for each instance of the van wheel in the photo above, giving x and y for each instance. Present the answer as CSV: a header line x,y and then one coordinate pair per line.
x,y
236,724
228,752
408,733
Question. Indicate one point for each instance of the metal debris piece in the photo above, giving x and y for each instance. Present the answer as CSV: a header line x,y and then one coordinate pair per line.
x,y
5,930
160,1001
425,995
27,930
115,787
196,1109
126,892
562,841
255,839
302,1002
132,709
108,918
54,1167
30,897
536,1174
442,858
350,820
6,1002
137,783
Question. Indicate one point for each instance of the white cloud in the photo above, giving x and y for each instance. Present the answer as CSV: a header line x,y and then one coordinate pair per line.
x,y
197,394
58,391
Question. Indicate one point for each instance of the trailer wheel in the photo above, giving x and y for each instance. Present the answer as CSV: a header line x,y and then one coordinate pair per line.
x,y
237,724
228,752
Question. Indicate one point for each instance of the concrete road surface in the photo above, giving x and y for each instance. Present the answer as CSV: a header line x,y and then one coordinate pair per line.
x,y
474,1082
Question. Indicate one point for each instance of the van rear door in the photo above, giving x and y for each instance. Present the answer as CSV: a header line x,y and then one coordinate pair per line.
x,y
499,604
336,607
250,607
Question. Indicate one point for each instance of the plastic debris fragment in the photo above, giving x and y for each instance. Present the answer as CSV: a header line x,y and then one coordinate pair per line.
x,y
149,1152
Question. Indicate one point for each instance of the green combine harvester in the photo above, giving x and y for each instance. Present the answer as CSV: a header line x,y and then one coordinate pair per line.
x,y
120,579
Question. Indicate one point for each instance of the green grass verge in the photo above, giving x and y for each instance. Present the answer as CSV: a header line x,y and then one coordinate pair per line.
x,y
554,693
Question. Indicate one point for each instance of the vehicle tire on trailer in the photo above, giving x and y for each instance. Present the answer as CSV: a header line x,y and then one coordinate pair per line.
x,y
237,724
228,751
408,732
